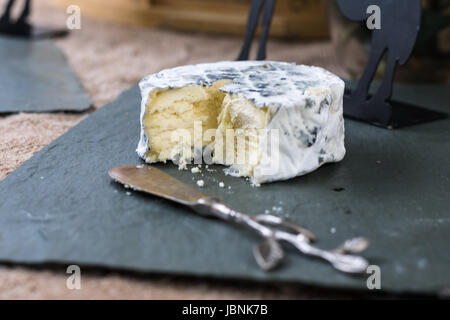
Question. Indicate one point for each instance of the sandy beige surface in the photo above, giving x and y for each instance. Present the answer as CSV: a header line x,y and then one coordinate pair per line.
x,y
109,58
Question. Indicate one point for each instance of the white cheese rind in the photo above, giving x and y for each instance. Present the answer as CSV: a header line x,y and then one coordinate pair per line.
x,y
305,104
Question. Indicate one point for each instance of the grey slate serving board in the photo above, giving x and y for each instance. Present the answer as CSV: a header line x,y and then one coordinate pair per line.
x,y
61,206
36,77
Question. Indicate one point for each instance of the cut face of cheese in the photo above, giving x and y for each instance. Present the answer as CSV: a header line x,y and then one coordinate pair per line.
x,y
183,121
264,120
173,112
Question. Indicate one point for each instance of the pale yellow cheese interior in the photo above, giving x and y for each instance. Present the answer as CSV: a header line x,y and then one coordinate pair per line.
x,y
172,114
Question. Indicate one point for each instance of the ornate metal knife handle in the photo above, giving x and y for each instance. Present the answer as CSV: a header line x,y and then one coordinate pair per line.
x,y
274,230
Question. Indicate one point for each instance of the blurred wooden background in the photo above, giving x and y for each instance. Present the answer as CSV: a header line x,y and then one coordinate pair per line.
x,y
298,19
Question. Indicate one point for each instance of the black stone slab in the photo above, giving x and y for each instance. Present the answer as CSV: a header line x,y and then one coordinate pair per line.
x,y
36,77
393,187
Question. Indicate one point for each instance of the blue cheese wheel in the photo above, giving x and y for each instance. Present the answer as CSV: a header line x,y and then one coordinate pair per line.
x,y
264,120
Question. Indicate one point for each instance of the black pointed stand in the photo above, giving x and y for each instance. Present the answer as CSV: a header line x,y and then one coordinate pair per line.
x,y
400,23
392,115
21,28
253,18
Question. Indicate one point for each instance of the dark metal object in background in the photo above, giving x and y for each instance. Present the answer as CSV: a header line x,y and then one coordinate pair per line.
x,y
253,18
21,27
400,23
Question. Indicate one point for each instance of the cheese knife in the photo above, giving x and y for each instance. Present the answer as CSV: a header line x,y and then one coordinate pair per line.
x,y
274,230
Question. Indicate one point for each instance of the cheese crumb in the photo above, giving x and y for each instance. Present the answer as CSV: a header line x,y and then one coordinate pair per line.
x,y
221,184
195,170
277,209
201,183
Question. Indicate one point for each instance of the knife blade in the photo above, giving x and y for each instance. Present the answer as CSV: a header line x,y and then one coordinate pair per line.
x,y
152,180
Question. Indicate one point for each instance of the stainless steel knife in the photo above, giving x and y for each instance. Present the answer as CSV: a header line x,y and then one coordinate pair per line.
x,y
272,229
